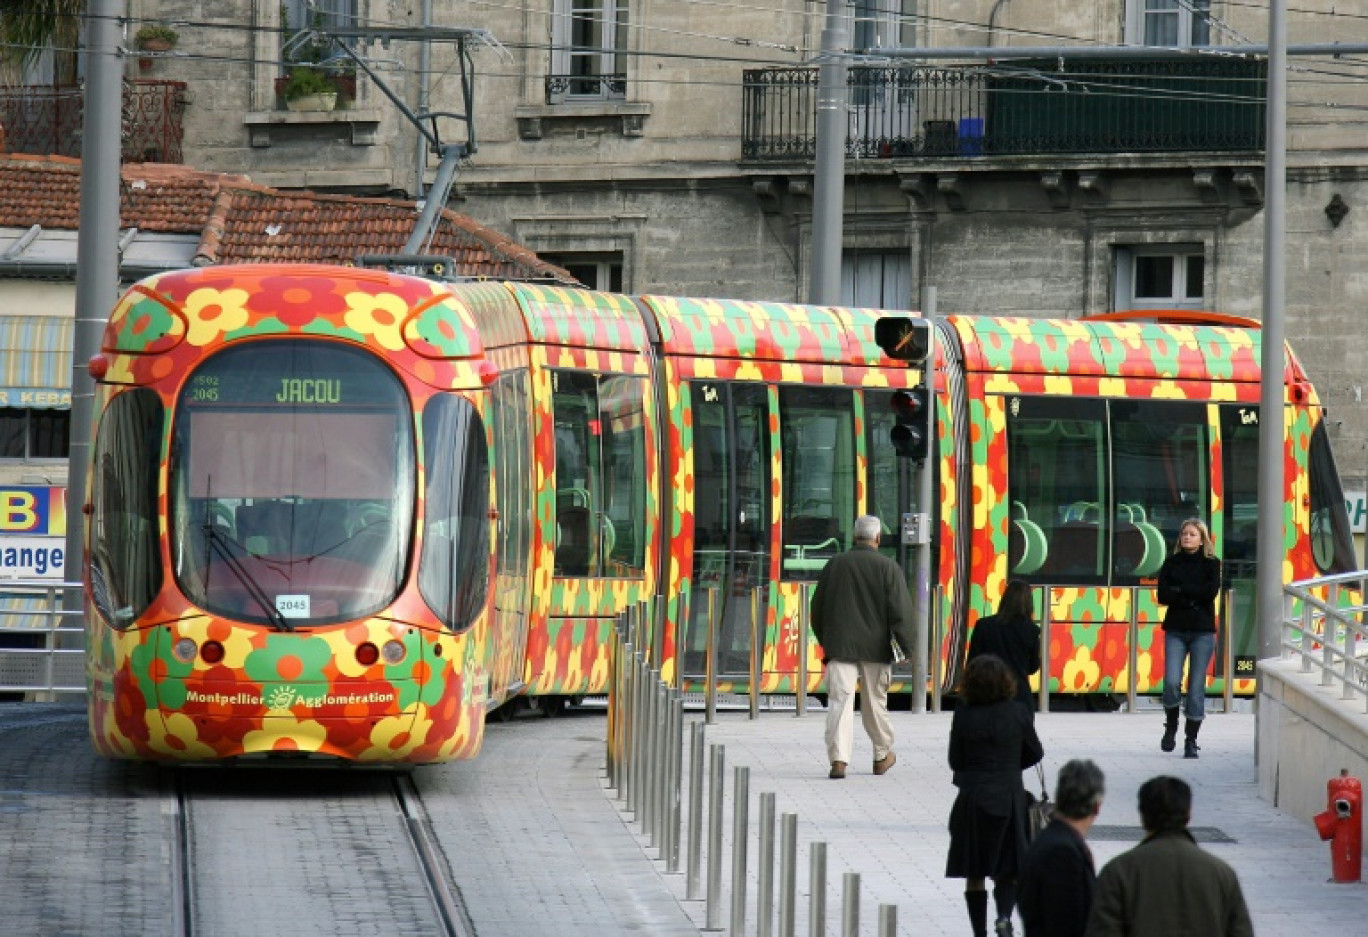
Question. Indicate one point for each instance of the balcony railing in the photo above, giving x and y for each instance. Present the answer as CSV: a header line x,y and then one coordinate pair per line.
x,y
1030,108
46,120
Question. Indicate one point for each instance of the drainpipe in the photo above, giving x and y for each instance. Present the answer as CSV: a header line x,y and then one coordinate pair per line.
x,y
992,21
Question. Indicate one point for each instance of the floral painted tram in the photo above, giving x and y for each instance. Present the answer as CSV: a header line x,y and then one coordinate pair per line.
x,y
345,513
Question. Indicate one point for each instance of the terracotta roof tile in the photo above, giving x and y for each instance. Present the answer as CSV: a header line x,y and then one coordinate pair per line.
x,y
239,221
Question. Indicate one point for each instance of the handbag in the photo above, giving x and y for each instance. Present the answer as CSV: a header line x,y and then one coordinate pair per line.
x,y
1038,812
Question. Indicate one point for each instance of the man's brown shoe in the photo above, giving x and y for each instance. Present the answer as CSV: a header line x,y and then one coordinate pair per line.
x,y
883,764
837,770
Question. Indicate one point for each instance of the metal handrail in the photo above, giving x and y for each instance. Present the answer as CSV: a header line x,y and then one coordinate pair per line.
x,y
36,665
1326,635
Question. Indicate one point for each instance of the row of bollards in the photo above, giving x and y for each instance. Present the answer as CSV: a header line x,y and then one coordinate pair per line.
x,y
645,769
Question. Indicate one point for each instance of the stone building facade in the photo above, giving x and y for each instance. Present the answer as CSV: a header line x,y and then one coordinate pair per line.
x,y
666,147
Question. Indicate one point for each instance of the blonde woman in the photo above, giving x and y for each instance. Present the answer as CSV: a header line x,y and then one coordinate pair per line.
x,y
1189,582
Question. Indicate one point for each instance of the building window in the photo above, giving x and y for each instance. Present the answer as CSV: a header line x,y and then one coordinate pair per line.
x,y
1174,23
1163,277
876,279
33,435
595,271
588,55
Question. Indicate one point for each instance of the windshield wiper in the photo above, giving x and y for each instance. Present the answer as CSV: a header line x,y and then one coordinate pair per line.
x,y
218,542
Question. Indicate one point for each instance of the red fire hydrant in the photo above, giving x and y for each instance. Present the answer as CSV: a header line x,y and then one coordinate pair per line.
x,y
1342,824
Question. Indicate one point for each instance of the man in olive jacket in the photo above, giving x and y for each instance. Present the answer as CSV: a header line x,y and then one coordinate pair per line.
x,y
859,607
1168,885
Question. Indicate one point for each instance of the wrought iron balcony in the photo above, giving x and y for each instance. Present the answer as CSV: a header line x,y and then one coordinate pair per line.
x,y
45,120
1093,107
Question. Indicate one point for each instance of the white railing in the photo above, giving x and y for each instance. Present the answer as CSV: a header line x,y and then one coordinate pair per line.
x,y
42,642
1329,634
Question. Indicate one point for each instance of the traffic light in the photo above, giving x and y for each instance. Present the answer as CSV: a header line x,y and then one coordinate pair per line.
x,y
903,338
913,427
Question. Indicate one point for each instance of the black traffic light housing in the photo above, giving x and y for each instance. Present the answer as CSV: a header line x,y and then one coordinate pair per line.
x,y
903,338
913,427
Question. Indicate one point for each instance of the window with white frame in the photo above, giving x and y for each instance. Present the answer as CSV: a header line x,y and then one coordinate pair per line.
x,y
1171,23
588,55
597,271
876,279
1168,276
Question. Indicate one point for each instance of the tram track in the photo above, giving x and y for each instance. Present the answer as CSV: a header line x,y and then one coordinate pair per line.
x,y
340,827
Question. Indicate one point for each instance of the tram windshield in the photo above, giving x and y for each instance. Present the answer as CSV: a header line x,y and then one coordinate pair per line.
x,y
291,471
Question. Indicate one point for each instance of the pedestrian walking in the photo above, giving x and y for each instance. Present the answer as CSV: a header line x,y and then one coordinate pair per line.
x,y
859,607
1012,635
1189,582
1168,884
992,739
1055,890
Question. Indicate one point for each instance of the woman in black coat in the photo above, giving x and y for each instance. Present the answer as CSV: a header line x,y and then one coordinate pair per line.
x,y
992,739
1189,582
1012,636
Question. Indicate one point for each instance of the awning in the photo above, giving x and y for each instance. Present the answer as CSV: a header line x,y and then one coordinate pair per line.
x,y
35,361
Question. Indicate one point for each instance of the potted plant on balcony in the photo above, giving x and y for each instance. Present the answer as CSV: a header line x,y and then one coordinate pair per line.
x,y
307,88
153,38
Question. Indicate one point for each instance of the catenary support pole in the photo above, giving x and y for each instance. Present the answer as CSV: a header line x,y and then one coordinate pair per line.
x,y
97,253
926,495
828,189
1268,576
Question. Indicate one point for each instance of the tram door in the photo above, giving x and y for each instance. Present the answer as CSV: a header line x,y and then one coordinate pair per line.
x,y
1239,549
513,477
731,458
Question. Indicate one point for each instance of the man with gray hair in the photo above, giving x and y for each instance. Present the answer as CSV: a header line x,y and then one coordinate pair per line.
x,y
1055,887
860,606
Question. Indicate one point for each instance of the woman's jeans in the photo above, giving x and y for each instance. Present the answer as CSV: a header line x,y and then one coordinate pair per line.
x,y
1198,646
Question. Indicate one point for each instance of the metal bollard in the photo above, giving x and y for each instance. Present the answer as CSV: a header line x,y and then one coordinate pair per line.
x,y
817,886
674,811
850,905
788,873
629,720
765,893
654,705
740,824
696,738
800,686
888,920
715,790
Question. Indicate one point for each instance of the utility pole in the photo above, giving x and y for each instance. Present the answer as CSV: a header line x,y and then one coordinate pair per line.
x,y
923,601
828,188
1272,366
97,253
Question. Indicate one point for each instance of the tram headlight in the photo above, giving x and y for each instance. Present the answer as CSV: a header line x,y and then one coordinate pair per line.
x,y
211,652
184,650
393,652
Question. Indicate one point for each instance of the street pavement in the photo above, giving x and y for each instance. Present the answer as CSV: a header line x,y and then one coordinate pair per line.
x,y
891,829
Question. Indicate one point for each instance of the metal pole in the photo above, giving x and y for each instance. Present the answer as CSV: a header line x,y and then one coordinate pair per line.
x,y
1268,577
817,889
695,860
1228,658
716,783
757,651
850,905
801,682
788,873
740,825
1044,695
937,642
97,256
424,68
926,506
710,678
888,920
828,187
765,891
1133,655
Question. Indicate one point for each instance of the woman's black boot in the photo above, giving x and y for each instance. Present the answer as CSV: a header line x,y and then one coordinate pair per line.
x,y
977,903
1169,740
1190,731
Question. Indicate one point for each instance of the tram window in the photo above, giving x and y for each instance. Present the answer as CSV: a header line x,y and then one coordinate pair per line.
x,y
1160,473
883,466
1240,460
600,433
1056,486
125,573
453,574
817,434
1332,545
513,457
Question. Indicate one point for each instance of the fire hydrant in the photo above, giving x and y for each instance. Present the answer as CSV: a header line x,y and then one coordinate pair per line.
x,y
1342,825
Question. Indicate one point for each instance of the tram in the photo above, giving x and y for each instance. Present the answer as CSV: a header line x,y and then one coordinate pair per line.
x,y
344,513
